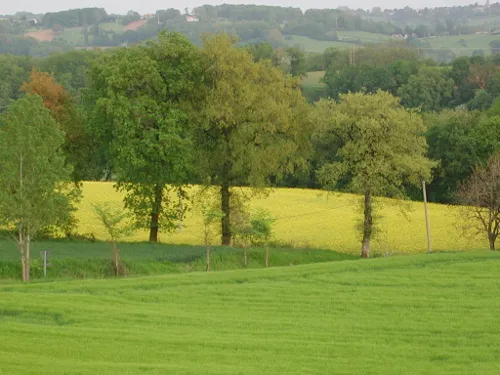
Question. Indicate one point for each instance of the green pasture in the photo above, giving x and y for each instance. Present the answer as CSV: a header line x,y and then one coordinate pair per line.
x,y
420,314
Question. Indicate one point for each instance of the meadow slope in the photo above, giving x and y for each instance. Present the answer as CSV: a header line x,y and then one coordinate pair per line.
x,y
311,218
424,314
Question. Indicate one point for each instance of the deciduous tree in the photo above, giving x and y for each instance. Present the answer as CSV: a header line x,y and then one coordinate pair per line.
x,y
254,123
480,196
430,89
142,99
78,146
34,177
376,148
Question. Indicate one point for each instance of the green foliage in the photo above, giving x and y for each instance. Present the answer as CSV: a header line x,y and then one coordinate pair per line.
x,y
115,220
145,96
14,70
74,17
459,140
253,123
297,61
430,90
374,146
482,101
34,179
378,155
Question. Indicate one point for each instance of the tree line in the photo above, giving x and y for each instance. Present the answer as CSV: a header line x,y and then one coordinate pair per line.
x,y
160,116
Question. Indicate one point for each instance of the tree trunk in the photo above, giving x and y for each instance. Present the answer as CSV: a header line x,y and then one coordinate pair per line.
x,y
208,258
367,224
23,268
116,259
245,255
20,246
155,214
226,209
267,256
27,260
491,239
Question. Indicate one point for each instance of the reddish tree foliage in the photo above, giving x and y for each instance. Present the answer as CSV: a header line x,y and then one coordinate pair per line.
x,y
57,100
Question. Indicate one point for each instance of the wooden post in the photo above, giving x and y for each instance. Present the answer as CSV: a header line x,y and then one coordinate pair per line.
x,y
429,247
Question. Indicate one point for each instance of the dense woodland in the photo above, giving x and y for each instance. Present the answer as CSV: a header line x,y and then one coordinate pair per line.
x,y
162,115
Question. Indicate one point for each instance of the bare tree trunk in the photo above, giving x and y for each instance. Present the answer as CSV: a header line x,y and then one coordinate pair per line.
x,y
226,209
491,239
367,224
245,255
267,256
155,214
208,258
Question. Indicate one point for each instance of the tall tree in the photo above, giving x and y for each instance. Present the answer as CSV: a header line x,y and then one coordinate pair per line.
x,y
431,89
459,139
78,146
34,178
378,147
142,105
254,122
480,197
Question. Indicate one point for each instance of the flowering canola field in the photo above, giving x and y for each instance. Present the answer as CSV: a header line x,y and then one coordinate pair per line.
x,y
315,219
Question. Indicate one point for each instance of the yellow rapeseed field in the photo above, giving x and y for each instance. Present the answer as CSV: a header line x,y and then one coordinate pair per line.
x,y
311,218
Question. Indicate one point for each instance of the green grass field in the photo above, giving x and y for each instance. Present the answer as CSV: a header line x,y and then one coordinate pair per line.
x,y
313,45
313,79
423,314
71,259
364,36
472,42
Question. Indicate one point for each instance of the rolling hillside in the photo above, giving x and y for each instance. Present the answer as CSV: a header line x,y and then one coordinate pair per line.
x,y
426,314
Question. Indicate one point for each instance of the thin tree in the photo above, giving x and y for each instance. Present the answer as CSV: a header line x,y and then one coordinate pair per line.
x,y
35,188
211,217
480,197
116,222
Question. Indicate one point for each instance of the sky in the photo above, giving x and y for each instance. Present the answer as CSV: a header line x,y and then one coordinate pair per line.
x,y
150,6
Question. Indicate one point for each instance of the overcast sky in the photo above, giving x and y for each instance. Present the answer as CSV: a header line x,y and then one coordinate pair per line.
x,y
149,6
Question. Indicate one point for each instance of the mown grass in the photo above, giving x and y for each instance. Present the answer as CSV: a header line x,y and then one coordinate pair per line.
x,y
364,36
313,45
314,219
69,259
312,79
311,86
472,42
425,314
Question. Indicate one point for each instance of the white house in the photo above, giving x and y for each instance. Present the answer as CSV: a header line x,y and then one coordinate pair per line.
x,y
191,18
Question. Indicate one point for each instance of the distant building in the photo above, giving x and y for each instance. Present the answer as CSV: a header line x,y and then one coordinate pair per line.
x,y
191,18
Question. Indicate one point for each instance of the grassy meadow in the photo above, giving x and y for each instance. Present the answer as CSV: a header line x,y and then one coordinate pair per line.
x,y
83,260
424,314
472,42
313,45
312,219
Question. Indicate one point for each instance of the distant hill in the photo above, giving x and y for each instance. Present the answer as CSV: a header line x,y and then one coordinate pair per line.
x,y
312,30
